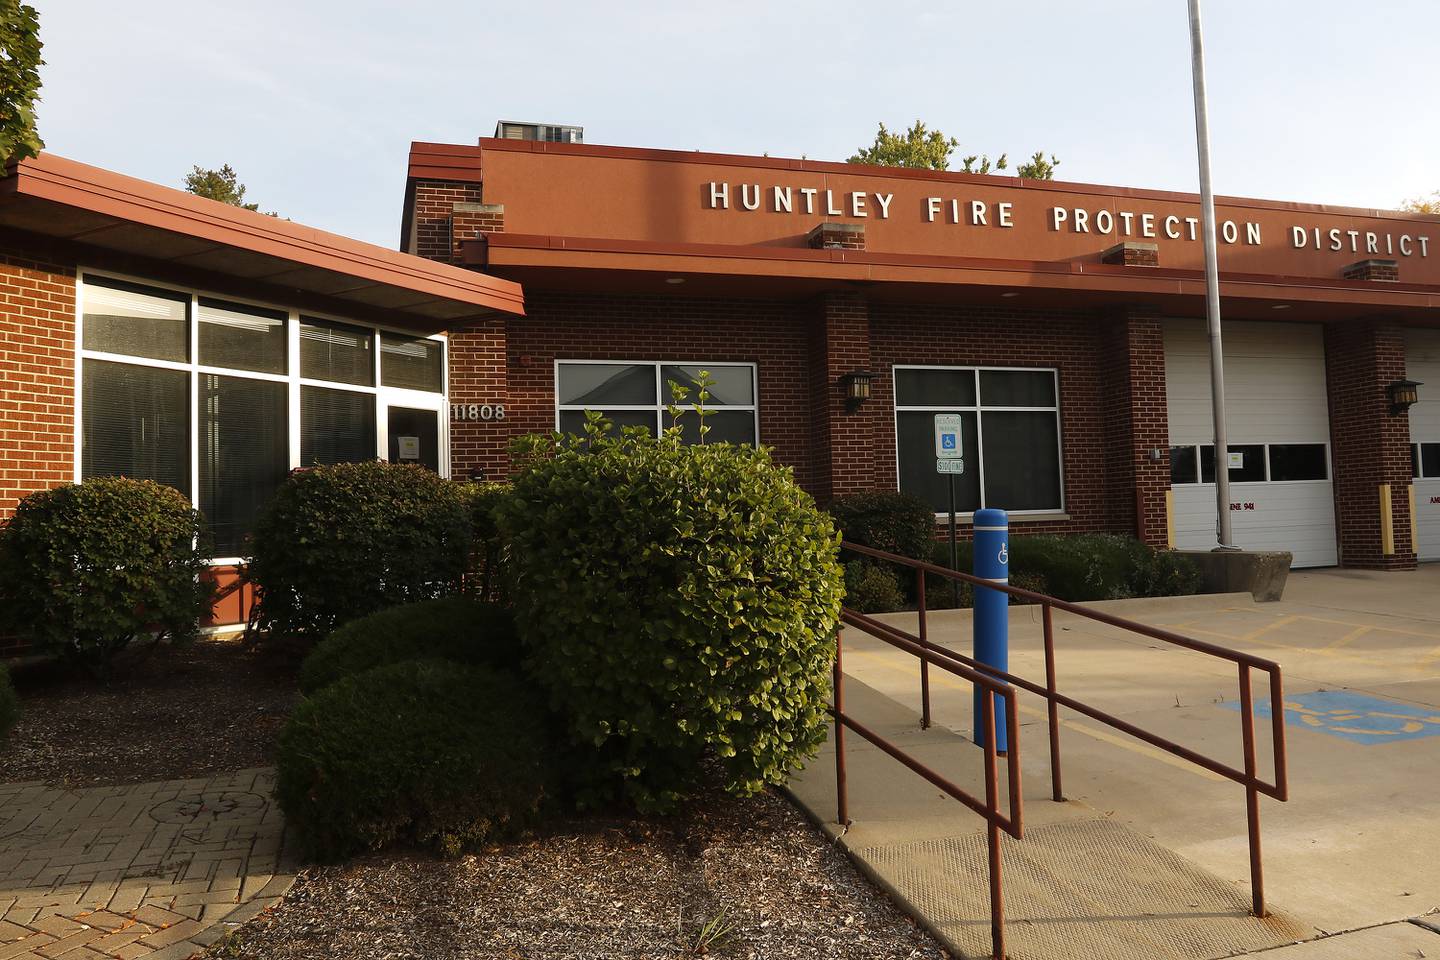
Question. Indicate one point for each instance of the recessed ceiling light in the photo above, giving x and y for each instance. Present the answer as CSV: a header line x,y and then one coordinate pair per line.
x,y
1280,306
675,280
1009,293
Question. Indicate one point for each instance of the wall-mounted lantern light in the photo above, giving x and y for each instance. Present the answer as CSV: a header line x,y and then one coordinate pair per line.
x,y
1403,395
856,385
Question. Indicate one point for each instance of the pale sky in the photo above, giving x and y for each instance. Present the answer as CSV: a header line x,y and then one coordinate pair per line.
x,y
315,102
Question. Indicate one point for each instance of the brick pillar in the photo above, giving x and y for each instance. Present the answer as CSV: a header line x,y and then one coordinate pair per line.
x,y
843,438
1136,423
478,378
1370,446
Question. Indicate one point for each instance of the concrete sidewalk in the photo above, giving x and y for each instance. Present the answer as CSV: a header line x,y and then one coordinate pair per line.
x,y
1361,656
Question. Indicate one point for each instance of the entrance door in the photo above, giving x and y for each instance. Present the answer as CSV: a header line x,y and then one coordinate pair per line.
x,y
1422,362
414,436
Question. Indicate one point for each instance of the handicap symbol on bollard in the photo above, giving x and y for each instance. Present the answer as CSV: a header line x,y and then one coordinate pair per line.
x,y
1004,555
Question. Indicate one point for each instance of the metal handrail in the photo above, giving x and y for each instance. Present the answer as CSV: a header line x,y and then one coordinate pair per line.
x,y
995,819
1248,777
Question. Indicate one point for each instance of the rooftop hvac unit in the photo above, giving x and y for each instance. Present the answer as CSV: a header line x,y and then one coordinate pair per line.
x,y
546,132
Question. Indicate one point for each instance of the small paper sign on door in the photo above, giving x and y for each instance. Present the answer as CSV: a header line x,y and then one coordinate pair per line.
x,y
409,448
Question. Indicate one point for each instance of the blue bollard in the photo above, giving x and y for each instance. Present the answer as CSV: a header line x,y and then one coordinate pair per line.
x,y
992,620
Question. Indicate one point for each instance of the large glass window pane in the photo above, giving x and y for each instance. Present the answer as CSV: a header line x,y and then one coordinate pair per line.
x,y
414,363
136,423
336,426
573,421
1297,461
726,426
244,454
915,444
1022,460
1017,388
1247,463
1182,465
241,338
934,388
138,321
598,385
333,351
733,385
1207,463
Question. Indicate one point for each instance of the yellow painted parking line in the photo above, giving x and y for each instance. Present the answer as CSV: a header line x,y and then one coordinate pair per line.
x,y
1353,635
1273,625
1388,664
945,679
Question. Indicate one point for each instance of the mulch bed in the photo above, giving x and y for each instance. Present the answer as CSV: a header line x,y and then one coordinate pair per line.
x,y
728,878
164,714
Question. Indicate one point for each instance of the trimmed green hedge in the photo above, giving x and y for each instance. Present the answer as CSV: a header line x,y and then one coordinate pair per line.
x,y
886,520
430,752
9,704
86,569
451,628
338,542
678,602
872,587
1088,566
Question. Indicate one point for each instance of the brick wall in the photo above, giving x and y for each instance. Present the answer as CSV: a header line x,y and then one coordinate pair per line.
x,y
600,327
1370,445
963,336
434,207
1136,423
843,438
37,377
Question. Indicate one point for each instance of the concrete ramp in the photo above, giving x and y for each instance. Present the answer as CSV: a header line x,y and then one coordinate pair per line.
x,y
1077,887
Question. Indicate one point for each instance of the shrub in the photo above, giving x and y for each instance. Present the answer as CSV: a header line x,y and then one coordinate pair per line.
x,y
677,601
1088,566
9,704
886,520
338,542
486,575
427,751
872,587
85,569
451,628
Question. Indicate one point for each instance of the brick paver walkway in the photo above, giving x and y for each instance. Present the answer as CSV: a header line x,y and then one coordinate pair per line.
x,y
153,871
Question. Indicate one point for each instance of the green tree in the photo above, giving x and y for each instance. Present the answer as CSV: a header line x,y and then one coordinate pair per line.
x,y
926,149
19,80
222,185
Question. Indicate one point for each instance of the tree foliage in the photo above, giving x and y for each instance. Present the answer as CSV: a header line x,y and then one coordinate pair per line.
x,y
19,80
925,149
1429,205
222,185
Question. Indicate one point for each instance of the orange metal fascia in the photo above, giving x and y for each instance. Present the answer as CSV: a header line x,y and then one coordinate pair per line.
x,y
516,250
59,180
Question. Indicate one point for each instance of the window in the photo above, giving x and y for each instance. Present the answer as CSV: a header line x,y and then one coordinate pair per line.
x,y
1425,460
636,394
220,400
1251,463
1010,437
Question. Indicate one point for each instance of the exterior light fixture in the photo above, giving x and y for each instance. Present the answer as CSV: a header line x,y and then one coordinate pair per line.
x,y
675,281
1009,294
1403,395
856,385
1280,306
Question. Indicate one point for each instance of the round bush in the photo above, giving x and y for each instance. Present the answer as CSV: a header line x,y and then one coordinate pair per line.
x,y
9,704
887,520
87,568
451,628
427,751
338,542
872,588
677,601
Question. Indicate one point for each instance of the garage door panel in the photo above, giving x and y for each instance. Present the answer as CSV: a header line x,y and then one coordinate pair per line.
x,y
1276,393
1294,517
1427,514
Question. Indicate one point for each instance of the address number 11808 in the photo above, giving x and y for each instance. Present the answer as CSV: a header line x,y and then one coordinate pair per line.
x,y
477,411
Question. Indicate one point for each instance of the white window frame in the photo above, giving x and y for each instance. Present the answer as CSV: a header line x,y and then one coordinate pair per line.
x,y
977,409
661,400
385,397
1267,444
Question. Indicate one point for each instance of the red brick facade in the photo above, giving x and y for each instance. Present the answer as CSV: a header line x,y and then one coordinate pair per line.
x,y
1370,444
37,378
435,202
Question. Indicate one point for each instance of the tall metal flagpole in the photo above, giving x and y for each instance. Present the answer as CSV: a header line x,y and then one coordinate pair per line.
x,y
1212,283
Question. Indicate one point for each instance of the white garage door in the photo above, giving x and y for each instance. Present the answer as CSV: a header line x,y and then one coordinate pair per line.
x,y
1422,362
1282,492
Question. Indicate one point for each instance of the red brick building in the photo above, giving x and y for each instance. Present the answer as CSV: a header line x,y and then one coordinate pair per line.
x,y
1063,323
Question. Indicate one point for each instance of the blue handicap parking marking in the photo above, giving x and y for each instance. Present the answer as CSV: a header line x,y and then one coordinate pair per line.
x,y
1355,716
